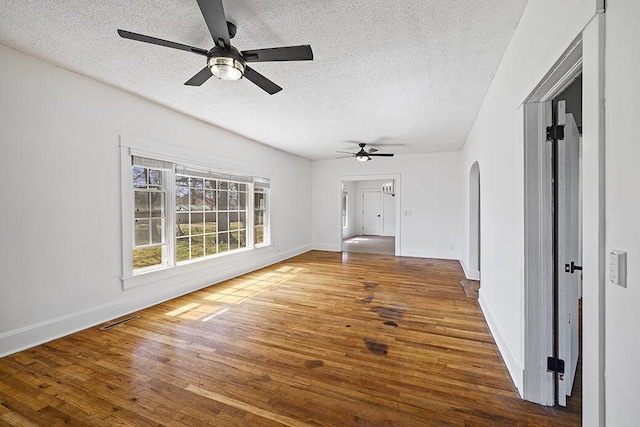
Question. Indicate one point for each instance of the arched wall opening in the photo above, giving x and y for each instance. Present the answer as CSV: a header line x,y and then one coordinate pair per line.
x,y
474,222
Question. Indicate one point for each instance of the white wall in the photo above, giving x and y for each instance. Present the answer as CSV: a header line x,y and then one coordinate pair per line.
x,y
428,193
496,141
59,136
622,177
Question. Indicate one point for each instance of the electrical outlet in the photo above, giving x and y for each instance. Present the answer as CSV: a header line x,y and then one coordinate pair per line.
x,y
613,268
618,268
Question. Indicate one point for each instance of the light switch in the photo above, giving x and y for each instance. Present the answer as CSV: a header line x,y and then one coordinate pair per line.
x,y
618,268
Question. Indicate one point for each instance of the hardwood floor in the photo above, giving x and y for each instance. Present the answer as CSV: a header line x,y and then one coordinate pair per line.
x,y
321,339
381,245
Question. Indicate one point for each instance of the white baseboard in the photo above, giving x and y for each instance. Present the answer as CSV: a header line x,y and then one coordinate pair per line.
x,y
42,332
326,247
471,275
509,356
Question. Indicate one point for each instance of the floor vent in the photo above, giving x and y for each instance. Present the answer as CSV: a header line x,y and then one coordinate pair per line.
x,y
118,322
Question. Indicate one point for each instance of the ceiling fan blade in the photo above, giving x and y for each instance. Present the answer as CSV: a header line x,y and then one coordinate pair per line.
x,y
213,14
372,150
152,40
286,53
381,154
261,81
346,152
201,77
344,157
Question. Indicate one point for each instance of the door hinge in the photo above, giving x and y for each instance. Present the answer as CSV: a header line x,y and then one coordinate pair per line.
x,y
555,132
571,268
555,365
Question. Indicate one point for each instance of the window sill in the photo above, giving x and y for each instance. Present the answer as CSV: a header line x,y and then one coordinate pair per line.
x,y
150,277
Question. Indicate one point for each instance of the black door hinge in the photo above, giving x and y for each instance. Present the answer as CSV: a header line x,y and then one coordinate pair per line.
x,y
555,132
555,365
571,268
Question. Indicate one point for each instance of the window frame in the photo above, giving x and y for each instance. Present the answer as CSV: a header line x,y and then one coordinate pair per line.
x,y
167,254
266,220
129,147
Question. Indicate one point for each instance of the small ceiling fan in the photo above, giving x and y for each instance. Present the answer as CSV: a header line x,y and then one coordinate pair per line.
x,y
364,155
223,60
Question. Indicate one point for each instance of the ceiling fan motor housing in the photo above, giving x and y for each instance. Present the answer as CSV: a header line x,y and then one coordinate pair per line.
x,y
226,65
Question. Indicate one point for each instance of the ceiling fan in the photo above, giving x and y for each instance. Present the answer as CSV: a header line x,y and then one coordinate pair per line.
x,y
223,60
364,155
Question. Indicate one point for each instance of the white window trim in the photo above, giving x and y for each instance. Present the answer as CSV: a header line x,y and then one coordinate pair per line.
x,y
130,146
266,228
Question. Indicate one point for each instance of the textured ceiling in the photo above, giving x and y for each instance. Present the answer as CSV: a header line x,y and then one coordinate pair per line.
x,y
408,75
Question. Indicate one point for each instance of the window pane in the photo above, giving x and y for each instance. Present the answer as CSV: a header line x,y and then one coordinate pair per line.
x,y
259,201
236,236
259,235
223,200
142,232
242,187
209,183
233,196
182,249
210,200
182,199
211,244
223,242
147,257
197,223
182,223
242,201
243,219
182,181
259,217
241,237
197,182
197,247
197,200
139,177
223,185
210,222
141,200
155,178
157,205
156,230
223,221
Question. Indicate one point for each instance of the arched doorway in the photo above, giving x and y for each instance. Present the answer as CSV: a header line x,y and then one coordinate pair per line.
x,y
474,222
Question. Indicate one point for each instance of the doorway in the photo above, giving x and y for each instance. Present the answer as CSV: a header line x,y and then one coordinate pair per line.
x,y
474,222
552,119
370,216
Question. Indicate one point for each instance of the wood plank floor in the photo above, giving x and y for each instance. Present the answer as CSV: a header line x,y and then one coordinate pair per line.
x,y
381,245
321,339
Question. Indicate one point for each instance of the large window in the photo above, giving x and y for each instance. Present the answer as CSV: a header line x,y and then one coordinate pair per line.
x,y
181,214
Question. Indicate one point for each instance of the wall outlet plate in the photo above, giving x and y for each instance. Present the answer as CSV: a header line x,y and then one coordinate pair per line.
x,y
618,268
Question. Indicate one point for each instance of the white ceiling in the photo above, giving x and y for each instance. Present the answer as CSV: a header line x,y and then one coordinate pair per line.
x,y
409,75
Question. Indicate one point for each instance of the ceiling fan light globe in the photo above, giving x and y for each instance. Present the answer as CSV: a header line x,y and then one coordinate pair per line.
x,y
363,158
226,68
